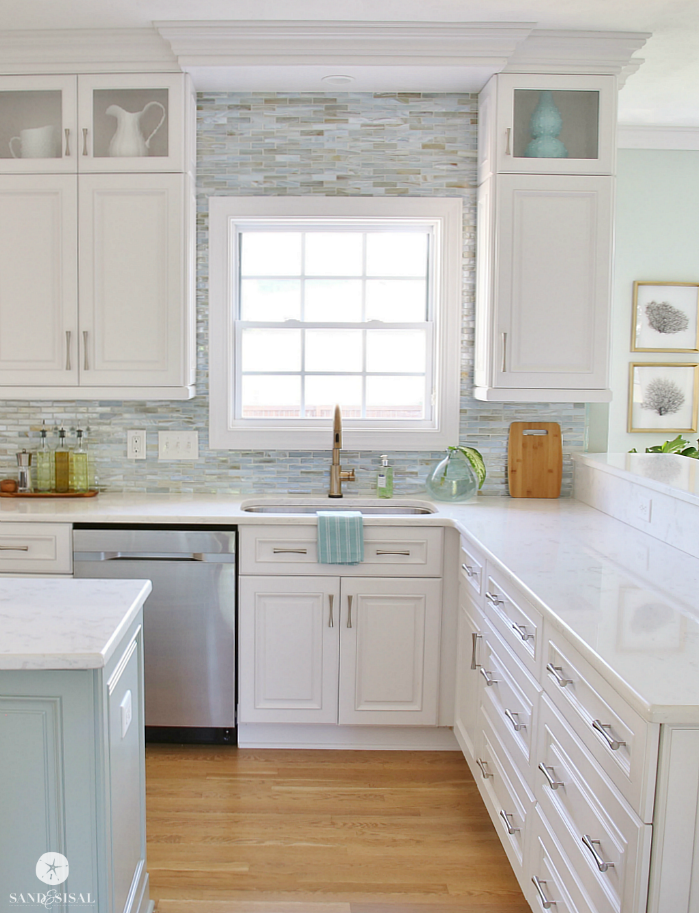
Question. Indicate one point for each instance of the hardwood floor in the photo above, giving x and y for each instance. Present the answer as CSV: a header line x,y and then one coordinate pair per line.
x,y
259,831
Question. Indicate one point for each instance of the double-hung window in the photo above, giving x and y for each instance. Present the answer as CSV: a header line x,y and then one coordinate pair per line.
x,y
322,301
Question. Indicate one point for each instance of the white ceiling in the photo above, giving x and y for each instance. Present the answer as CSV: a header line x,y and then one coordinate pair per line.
x,y
664,91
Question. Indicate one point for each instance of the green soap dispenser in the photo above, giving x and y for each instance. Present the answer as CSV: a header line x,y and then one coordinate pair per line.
x,y
384,479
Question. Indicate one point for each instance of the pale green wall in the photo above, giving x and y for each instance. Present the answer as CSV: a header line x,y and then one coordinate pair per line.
x,y
657,238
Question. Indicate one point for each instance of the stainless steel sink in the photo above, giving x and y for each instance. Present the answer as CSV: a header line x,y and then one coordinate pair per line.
x,y
377,510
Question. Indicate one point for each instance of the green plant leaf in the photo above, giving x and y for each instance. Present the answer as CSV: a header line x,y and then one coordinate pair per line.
x,y
476,461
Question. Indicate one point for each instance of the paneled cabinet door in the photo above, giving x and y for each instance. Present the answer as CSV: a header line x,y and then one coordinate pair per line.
x,y
288,649
132,280
38,280
389,651
544,300
469,650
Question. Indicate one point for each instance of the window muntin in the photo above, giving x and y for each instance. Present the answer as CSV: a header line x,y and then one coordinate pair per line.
x,y
327,315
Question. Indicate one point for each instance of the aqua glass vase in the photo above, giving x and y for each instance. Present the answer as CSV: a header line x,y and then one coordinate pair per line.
x,y
545,125
452,479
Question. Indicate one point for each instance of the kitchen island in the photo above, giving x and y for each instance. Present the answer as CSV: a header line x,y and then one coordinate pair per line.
x,y
72,781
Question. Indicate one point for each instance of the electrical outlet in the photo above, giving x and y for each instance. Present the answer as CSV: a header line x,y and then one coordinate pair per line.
x,y
136,445
644,506
126,713
178,445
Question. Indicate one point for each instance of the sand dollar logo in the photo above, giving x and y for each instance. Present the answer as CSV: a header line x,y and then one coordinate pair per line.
x,y
52,868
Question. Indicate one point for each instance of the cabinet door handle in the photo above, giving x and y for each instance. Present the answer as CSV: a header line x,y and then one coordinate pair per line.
x,y
488,680
591,845
504,353
382,552
14,548
289,551
555,671
539,885
469,570
494,599
546,771
506,818
87,366
85,141
474,650
485,773
508,150
331,622
522,631
349,611
68,368
67,133
513,717
614,744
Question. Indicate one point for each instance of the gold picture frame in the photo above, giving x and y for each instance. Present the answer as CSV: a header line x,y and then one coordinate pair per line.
x,y
665,312
663,397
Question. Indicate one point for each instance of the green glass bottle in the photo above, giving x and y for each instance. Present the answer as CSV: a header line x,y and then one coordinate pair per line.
x,y
78,465
62,463
45,478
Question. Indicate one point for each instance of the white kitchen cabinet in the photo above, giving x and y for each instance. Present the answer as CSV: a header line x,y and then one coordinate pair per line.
x,y
103,310
543,288
587,109
136,122
339,650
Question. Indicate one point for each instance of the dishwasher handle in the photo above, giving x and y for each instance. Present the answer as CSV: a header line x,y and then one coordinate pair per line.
x,y
222,558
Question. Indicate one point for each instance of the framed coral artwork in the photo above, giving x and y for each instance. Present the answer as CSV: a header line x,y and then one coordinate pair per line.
x,y
665,317
663,397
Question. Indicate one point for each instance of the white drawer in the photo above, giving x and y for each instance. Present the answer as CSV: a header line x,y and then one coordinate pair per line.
x,y
509,697
36,548
552,885
605,840
624,744
518,623
471,568
507,798
392,551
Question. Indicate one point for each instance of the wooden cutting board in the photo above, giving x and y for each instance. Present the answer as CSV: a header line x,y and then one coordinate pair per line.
x,y
535,460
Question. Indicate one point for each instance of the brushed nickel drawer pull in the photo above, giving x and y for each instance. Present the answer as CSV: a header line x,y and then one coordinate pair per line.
x,y
545,902
86,363
591,845
494,599
331,600
513,717
506,818
614,744
349,611
289,551
507,147
522,631
488,680
504,353
484,769
14,548
546,771
67,133
85,141
68,368
469,570
382,552
555,671
474,650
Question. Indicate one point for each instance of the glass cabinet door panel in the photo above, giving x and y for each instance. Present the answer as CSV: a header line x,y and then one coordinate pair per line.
x,y
131,122
37,124
555,124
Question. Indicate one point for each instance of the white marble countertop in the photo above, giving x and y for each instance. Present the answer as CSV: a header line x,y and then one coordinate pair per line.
x,y
61,623
668,473
625,599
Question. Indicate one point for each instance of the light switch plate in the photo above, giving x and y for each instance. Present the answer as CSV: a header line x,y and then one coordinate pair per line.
x,y
178,445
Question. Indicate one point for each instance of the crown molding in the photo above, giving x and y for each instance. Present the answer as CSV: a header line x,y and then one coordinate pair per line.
x,y
566,51
85,51
651,137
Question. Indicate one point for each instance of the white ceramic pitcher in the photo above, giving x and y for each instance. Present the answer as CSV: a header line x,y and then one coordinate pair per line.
x,y
128,140
36,143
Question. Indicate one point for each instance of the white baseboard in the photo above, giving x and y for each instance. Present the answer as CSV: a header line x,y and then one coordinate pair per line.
x,y
358,738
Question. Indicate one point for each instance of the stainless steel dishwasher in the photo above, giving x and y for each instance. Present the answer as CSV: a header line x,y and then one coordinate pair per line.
x,y
188,621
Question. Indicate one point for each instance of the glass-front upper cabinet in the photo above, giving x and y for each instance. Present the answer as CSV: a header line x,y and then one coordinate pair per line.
x,y
547,125
38,124
131,122
95,123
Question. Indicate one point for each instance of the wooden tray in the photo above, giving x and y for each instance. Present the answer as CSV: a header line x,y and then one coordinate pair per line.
x,y
92,493
535,460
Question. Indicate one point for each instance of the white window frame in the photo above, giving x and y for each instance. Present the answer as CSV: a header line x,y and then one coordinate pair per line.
x,y
443,217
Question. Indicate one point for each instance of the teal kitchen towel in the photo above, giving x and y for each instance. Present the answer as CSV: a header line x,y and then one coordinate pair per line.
x,y
340,537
